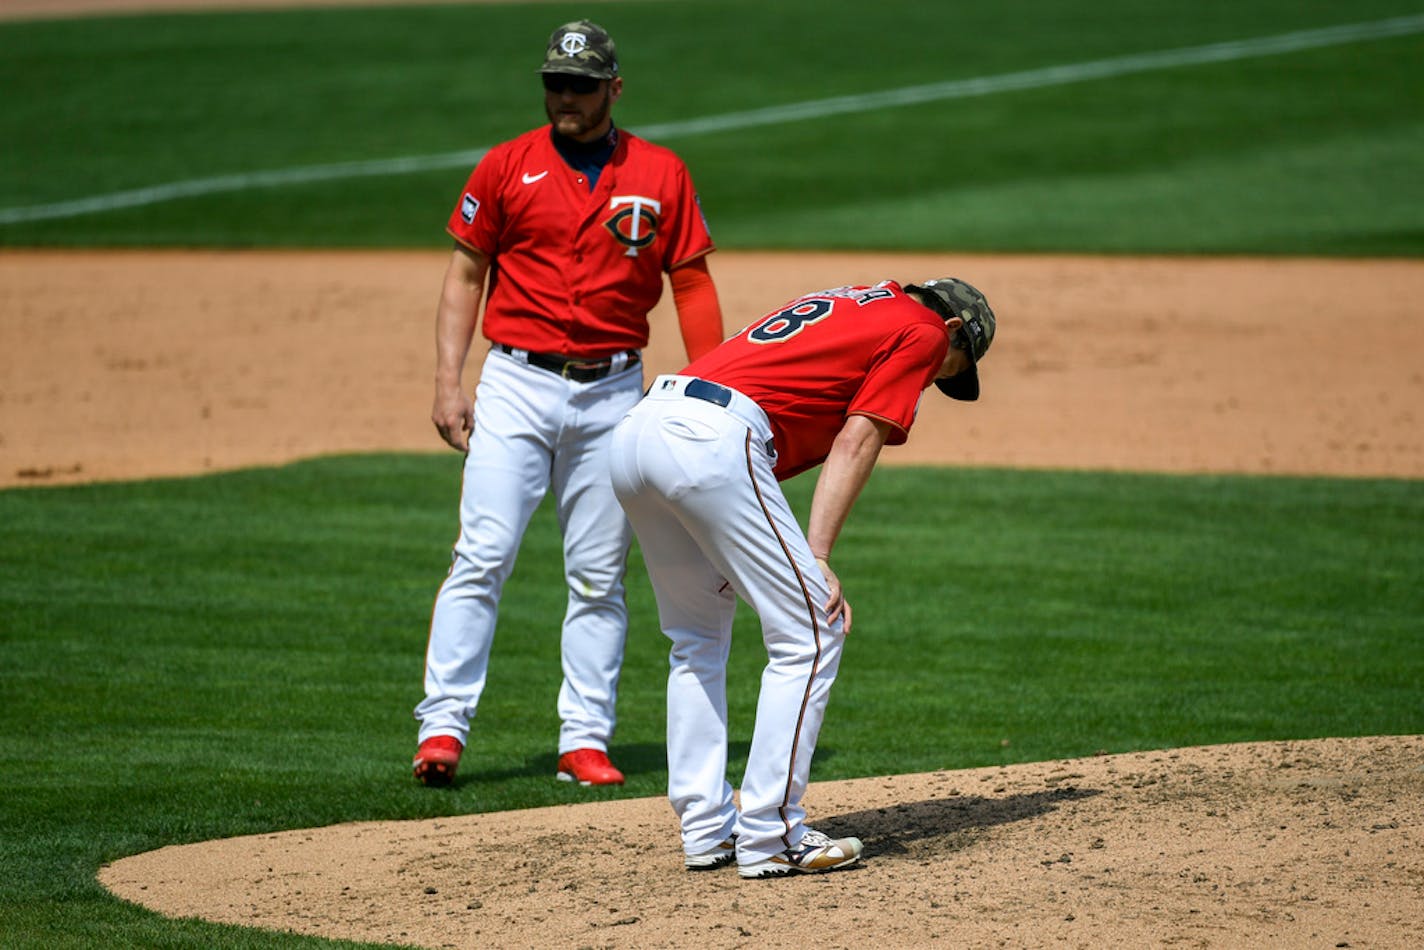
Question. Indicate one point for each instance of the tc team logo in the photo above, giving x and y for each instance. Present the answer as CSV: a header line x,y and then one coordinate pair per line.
x,y
573,43
634,222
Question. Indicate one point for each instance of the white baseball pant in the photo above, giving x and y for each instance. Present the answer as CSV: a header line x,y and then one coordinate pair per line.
x,y
696,480
535,431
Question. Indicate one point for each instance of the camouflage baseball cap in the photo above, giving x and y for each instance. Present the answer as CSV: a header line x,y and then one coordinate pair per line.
x,y
952,297
581,48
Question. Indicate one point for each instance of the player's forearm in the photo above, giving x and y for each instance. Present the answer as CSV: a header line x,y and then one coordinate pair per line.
x,y
454,331
699,312
456,318
844,473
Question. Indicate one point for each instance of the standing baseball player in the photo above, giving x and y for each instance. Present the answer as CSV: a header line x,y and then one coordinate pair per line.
x,y
574,225
829,378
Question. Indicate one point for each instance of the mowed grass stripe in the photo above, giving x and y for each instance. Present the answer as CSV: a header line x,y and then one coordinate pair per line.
x,y
734,121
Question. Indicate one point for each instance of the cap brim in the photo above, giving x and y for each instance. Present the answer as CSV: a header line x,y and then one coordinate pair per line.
x,y
576,69
963,386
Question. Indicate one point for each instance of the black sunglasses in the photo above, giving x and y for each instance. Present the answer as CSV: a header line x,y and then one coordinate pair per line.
x,y
578,85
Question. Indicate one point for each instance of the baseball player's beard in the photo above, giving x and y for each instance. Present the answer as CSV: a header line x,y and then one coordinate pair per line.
x,y
579,124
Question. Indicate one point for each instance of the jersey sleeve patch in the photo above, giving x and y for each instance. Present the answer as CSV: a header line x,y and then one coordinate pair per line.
x,y
469,205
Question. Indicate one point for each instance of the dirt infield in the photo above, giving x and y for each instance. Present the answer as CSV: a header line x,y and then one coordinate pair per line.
x,y
126,365
129,364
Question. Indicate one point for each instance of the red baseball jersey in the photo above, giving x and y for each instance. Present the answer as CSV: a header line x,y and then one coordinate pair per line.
x,y
576,272
867,351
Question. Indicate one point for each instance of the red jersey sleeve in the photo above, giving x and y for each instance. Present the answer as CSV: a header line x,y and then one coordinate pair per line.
x,y
902,366
477,219
690,236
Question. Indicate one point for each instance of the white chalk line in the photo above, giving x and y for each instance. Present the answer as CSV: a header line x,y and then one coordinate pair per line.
x,y
771,115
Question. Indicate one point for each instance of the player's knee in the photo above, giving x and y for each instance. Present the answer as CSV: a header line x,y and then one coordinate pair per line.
x,y
596,586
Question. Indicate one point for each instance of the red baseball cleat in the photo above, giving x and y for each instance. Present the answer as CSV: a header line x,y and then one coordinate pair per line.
x,y
436,760
588,767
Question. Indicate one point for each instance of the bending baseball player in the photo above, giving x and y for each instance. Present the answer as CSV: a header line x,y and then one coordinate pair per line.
x,y
829,378
574,224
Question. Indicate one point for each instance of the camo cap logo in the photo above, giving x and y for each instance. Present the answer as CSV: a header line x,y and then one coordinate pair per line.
x,y
581,48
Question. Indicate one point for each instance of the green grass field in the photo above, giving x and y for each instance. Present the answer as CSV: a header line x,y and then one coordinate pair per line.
x,y
1312,150
237,653
225,655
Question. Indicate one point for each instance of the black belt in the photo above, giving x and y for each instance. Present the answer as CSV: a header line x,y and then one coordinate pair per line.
x,y
718,395
708,392
580,371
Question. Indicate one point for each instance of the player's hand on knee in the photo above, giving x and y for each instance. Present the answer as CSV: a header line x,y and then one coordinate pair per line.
x,y
836,604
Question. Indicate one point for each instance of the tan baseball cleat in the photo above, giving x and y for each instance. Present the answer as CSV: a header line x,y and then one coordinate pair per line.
x,y
813,854
720,856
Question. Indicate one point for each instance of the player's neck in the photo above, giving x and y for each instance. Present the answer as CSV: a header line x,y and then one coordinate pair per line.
x,y
586,157
597,141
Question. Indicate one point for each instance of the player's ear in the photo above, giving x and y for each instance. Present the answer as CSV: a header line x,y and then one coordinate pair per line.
x,y
615,88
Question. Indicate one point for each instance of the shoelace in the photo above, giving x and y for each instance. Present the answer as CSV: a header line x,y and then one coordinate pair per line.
x,y
810,842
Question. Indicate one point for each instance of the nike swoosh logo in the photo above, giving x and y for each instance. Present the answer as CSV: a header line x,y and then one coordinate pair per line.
x,y
531,179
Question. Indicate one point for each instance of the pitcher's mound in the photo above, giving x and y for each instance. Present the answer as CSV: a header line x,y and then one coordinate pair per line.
x,y
1286,844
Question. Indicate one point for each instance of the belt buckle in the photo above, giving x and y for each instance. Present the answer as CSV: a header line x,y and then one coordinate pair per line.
x,y
589,367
